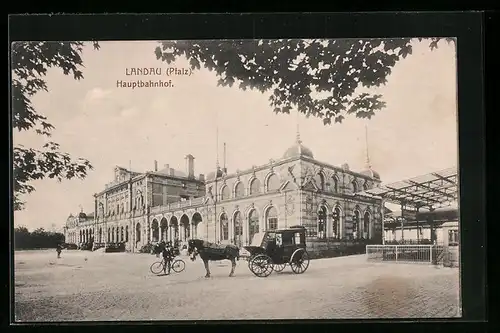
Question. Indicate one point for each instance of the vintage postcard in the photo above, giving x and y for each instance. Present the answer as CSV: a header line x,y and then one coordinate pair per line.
x,y
267,179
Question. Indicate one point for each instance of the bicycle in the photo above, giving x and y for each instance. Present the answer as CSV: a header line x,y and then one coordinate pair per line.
x,y
177,265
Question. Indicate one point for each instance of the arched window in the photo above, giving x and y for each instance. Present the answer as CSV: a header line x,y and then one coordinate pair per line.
x,y
335,184
224,193
113,239
174,229
320,181
365,186
121,234
185,227
163,229
253,224
322,222
126,233
354,186
255,186
336,220
224,227
196,220
156,230
271,218
355,226
239,190
273,183
109,235
366,226
138,232
238,229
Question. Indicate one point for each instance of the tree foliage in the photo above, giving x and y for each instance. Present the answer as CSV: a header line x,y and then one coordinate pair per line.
x,y
30,62
38,239
316,77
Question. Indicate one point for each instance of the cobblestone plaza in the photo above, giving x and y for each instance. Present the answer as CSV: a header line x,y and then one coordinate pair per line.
x,y
79,286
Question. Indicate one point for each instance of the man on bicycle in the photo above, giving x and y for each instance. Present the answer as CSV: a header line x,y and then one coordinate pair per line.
x,y
168,256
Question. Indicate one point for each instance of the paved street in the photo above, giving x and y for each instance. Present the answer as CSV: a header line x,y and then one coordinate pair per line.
x,y
119,286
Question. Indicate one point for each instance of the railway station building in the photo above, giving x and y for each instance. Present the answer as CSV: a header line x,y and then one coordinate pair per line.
x,y
139,208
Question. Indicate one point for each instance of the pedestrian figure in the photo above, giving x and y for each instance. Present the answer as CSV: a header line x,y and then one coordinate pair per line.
x,y
58,250
168,255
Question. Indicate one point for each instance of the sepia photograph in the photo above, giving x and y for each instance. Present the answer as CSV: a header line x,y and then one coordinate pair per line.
x,y
253,179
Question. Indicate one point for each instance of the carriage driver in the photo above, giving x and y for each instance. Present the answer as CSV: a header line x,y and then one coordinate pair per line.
x,y
168,255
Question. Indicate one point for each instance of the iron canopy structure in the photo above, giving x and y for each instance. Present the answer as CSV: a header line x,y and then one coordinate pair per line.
x,y
434,190
431,191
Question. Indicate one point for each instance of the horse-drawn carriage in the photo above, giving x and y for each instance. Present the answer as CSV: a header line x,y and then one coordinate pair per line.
x,y
274,249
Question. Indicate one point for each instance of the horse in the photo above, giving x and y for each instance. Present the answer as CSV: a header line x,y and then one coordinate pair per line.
x,y
212,252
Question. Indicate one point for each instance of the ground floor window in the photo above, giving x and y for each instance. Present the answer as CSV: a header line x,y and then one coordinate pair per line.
x,y
322,222
238,229
272,218
355,225
253,225
224,227
336,223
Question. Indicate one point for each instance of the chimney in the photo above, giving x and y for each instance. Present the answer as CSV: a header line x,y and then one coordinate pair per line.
x,y
167,167
202,177
172,171
190,165
156,165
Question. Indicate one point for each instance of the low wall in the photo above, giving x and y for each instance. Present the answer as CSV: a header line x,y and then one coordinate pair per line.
x,y
334,248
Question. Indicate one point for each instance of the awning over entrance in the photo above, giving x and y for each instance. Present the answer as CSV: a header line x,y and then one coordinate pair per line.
x,y
431,191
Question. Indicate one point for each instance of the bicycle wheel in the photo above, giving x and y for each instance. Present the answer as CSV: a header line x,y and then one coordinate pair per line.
x,y
178,265
157,267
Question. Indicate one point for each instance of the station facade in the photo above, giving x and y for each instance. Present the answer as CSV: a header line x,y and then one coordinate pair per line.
x,y
296,189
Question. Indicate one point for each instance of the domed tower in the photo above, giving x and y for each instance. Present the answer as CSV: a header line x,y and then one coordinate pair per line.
x,y
211,175
298,149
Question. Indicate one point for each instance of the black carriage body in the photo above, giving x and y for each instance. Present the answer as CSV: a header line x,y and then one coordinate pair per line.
x,y
280,245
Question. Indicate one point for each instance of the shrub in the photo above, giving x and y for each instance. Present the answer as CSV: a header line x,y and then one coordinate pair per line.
x,y
147,248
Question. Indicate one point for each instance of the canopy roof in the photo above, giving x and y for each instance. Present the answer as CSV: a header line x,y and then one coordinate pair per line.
x,y
433,190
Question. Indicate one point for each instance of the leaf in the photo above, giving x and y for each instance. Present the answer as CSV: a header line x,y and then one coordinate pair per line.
x,y
290,70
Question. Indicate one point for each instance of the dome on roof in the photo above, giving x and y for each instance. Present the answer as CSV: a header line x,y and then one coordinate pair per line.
x,y
298,149
211,175
371,173
82,215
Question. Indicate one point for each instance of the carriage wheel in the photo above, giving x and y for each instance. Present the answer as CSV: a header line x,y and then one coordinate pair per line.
x,y
178,265
250,261
261,265
300,261
156,267
279,267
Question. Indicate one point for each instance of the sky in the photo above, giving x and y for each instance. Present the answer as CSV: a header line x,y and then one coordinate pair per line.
x,y
414,134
